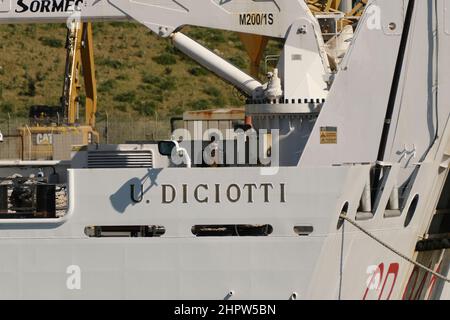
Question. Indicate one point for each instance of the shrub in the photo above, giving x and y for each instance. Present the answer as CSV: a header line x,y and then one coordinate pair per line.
x,y
40,76
170,50
238,61
6,107
122,107
123,77
107,86
198,71
216,37
168,71
50,26
30,30
212,91
117,24
128,96
163,83
150,78
218,102
140,53
30,89
165,59
201,104
115,64
175,111
158,96
145,108
51,42
167,84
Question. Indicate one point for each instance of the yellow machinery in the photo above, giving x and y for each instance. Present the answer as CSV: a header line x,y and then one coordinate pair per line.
x,y
54,130
352,9
80,55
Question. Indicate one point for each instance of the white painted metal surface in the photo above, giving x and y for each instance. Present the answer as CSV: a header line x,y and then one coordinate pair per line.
x,y
216,64
327,153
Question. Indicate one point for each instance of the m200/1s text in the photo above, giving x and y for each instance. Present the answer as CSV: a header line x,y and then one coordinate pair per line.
x,y
256,19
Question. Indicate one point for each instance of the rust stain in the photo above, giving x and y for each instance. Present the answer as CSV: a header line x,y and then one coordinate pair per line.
x,y
217,114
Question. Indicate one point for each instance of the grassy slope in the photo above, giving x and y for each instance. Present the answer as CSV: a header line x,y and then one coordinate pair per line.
x,y
137,73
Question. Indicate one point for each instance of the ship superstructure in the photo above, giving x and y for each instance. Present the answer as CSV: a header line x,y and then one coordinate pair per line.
x,y
334,187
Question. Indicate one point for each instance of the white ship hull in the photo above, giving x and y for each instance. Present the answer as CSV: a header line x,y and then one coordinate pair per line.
x,y
330,263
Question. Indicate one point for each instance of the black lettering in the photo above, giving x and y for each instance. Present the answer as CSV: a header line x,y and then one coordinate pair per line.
x,y
238,193
282,193
241,19
69,5
78,4
204,200
258,19
248,19
217,193
57,7
250,191
185,200
45,5
35,5
164,193
266,186
22,5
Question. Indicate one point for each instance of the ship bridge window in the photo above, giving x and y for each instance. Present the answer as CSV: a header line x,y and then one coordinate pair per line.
x,y
125,231
236,230
32,197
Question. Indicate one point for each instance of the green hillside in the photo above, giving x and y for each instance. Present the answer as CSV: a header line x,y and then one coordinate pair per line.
x,y
138,74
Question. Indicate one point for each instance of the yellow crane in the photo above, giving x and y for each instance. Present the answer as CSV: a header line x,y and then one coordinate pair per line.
x,y
54,130
80,57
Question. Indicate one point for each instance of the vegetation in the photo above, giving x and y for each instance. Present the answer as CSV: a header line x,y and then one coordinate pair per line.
x,y
138,74
52,42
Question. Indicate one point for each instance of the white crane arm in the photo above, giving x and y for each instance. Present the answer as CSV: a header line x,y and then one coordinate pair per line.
x,y
303,65
264,17
271,18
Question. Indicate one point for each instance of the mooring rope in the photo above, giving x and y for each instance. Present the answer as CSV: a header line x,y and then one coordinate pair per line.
x,y
384,244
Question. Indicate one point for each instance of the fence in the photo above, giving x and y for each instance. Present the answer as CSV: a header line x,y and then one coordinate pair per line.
x,y
115,130
112,130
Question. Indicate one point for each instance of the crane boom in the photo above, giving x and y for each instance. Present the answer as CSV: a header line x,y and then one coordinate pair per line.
x,y
264,17
80,60
291,20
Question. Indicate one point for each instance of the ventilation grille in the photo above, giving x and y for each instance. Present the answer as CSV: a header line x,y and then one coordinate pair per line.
x,y
120,159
